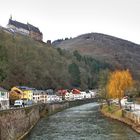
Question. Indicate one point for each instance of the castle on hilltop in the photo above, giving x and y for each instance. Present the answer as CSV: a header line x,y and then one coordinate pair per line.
x,y
25,29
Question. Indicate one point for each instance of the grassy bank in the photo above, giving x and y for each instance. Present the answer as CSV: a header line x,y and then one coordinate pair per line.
x,y
113,110
116,113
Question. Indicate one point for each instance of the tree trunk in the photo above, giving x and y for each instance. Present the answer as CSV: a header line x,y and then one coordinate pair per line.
x,y
108,102
120,103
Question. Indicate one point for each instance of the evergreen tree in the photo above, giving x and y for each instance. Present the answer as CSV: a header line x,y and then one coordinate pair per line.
x,y
75,74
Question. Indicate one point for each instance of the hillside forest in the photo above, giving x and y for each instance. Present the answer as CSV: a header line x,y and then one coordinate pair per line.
x,y
24,61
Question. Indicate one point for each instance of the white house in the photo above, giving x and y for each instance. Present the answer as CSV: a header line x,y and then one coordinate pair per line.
x,y
4,98
92,93
88,94
39,96
45,96
53,98
69,96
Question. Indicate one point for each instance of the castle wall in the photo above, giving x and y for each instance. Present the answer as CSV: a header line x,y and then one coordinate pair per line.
x,y
36,36
18,30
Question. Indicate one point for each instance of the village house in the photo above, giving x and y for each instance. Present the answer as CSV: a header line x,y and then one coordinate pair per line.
x,y
27,92
45,96
4,98
76,94
24,92
39,96
25,29
52,97
61,93
69,96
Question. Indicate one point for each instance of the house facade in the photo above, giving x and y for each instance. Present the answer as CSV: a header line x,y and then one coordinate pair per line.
x,y
69,96
25,29
27,92
45,96
4,98
24,92
39,96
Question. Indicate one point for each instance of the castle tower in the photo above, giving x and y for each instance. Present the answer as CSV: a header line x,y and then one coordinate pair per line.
x,y
11,16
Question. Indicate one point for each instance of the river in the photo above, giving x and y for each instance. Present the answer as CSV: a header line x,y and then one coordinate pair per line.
x,y
81,123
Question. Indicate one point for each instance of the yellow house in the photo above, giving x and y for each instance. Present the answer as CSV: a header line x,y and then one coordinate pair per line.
x,y
28,94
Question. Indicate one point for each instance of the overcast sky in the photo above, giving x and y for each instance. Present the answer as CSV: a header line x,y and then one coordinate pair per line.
x,y
69,18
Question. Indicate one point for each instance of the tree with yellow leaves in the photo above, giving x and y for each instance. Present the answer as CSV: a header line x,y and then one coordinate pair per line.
x,y
119,82
14,96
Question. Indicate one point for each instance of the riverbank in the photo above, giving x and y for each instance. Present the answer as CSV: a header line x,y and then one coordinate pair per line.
x,y
46,110
114,112
81,123
16,123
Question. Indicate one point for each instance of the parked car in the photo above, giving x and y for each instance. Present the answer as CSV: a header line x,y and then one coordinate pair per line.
x,y
18,103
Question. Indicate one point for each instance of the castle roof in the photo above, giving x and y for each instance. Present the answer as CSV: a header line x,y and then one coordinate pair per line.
x,y
27,26
18,24
33,28
25,88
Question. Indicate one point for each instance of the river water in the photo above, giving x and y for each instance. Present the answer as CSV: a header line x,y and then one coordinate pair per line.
x,y
81,123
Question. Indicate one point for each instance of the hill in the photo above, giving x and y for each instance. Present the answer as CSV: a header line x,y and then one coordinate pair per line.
x,y
119,53
26,62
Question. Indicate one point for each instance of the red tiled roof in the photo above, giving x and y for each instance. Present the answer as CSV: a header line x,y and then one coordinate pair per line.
x,y
76,91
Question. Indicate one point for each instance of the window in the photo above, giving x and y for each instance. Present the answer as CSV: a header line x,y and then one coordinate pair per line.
x,y
2,93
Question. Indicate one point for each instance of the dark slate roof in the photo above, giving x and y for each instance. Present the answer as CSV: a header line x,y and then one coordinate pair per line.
x,y
27,26
33,28
2,89
40,92
25,88
18,24
50,92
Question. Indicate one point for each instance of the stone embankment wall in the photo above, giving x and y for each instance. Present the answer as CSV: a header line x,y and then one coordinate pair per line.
x,y
17,123
81,102
134,120
132,116
129,118
53,108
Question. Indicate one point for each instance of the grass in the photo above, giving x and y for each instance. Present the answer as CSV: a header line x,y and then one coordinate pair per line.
x,y
113,110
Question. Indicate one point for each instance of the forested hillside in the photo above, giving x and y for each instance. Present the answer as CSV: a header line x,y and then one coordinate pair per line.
x,y
24,61
122,54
